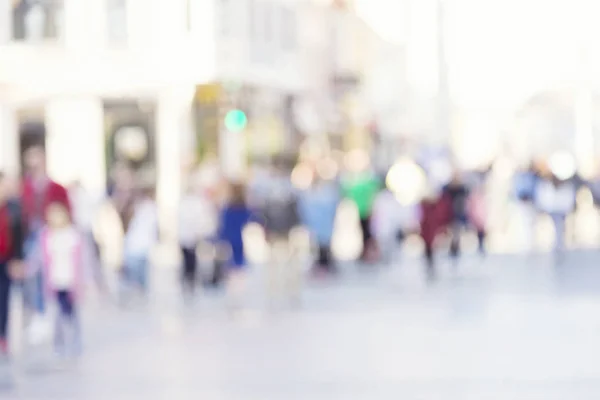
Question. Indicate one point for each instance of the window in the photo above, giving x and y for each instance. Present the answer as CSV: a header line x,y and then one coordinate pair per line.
x,y
35,20
256,25
116,14
269,23
225,12
288,34
252,25
269,32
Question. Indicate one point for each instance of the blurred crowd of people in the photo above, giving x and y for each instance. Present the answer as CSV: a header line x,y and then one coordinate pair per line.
x,y
49,244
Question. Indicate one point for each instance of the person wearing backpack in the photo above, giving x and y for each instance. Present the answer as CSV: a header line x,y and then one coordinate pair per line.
x,y
11,255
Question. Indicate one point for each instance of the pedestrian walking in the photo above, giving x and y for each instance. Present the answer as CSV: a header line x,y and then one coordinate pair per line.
x,y
281,215
198,222
436,214
477,214
525,192
362,187
557,199
235,216
318,210
457,192
38,192
85,209
62,250
385,224
11,256
140,239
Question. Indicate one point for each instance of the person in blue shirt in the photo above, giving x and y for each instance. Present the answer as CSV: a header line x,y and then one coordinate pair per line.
x,y
234,217
318,208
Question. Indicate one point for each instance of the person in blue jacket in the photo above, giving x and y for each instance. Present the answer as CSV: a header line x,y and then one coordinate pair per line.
x,y
234,217
318,209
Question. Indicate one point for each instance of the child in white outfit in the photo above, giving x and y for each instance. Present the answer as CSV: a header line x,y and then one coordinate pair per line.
x,y
61,249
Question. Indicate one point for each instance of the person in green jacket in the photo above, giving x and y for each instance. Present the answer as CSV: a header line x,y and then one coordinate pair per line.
x,y
362,189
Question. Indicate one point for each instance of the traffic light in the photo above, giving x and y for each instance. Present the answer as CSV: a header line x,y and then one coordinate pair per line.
x,y
236,121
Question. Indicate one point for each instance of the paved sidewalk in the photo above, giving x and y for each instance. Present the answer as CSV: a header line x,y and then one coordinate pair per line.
x,y
506,328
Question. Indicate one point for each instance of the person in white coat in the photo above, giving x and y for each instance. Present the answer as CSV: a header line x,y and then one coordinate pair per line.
x,y
391,222
557,199
141,237
198,222
85,209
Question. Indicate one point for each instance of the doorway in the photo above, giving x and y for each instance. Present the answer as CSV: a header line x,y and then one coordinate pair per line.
x,y
32,132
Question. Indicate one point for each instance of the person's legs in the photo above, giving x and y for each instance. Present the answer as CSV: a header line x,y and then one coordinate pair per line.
x,y
62,317
96,261
135,275
455,240
136,271
4,311
367,236
322,259
219,269
326,258
277,259
236,287
67,319
429,260
559,232
40,301
527,221
35,300
189,268
481,236
293,268
142,274
387,248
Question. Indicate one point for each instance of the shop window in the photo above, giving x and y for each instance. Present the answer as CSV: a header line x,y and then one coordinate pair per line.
x,y
35,20
32,131
130,136
117,21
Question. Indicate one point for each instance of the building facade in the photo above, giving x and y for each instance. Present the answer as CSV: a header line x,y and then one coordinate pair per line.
x,y
102,81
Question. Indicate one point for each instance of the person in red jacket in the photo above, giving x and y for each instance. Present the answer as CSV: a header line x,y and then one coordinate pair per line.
x,y
435,216
38,193
11,254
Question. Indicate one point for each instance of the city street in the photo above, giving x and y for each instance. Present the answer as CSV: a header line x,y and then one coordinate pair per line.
x,y
510,327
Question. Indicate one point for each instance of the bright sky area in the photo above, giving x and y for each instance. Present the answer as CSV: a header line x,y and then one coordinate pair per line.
x,y
509,47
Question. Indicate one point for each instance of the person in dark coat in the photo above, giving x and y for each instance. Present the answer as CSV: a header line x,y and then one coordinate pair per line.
x,y
11,255
436,213
457,192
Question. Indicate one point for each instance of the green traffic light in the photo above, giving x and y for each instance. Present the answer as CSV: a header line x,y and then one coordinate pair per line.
x,y
236,121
